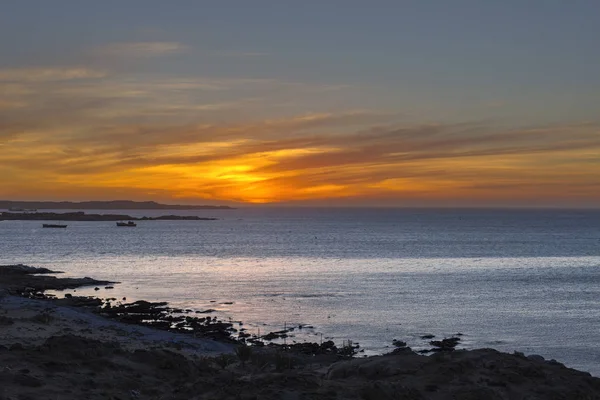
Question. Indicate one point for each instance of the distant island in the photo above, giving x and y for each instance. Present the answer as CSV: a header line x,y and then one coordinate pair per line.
x,y
101,205
81,216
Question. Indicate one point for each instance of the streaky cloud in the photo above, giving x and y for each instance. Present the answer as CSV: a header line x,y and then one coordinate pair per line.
x,y
41,74
140,49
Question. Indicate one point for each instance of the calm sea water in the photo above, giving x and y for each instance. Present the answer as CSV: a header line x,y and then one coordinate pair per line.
x,y
511,280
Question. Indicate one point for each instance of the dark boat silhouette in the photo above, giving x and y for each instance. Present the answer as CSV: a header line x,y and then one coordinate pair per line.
x,y
54,226
129,224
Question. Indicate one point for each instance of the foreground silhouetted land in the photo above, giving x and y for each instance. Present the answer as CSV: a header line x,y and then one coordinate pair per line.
x,y
81,216
103,205
77,347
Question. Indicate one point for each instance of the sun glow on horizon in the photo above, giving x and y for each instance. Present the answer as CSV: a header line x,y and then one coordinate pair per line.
x,y
310,168
119,123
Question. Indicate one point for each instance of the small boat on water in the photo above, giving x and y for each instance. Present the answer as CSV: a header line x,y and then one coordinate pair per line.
x,y
129,224
54,226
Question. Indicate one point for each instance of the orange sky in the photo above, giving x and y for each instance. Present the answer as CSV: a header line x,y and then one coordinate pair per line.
x,y
96,132
325,158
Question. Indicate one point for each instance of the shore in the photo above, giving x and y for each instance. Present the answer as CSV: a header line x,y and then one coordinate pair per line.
x,y
73,348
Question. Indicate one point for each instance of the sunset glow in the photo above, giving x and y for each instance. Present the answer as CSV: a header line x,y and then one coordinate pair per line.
x,y
157,116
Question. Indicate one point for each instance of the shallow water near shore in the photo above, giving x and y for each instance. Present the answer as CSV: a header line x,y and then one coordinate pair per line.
x,y
511,280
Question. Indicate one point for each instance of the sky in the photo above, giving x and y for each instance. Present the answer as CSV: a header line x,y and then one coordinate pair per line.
x,y
337,103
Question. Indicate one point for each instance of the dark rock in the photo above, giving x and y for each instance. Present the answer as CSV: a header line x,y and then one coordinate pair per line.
x,y
27,380
536,357
476,393
447,344
16,347
24,270
401,350
78,347
275,335
80,301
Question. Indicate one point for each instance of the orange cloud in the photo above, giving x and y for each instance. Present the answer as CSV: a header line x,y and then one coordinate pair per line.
x,y
88,134
49,74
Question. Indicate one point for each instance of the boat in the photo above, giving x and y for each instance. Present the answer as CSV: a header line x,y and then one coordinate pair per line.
x,y
129,223
18,209
54,226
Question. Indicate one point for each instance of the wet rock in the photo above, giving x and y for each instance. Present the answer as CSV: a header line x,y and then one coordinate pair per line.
x,y
536,357
401,350
80,301
21,269
33,286
275,335
559,364
447,344
160,316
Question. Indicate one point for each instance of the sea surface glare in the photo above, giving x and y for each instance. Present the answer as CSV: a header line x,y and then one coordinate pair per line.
x,y
511,280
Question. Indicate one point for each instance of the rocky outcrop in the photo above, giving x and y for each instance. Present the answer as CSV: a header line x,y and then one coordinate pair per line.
x,y
74,367
21,269
31,282
463,374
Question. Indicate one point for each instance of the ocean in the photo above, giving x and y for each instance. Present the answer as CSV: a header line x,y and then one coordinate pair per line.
x,y
513,280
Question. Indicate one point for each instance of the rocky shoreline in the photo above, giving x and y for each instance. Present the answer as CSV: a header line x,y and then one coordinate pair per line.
x,y
82,216
84,347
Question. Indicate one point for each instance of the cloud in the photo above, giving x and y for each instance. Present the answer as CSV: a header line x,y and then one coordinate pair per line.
x,y
83,130
140,49
241,54
248,162
5,104
49,74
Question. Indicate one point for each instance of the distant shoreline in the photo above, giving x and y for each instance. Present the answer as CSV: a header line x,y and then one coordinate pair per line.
x,y
102,205
81,216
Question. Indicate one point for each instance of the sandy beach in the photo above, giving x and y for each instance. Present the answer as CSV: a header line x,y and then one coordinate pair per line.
x,y
63,349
